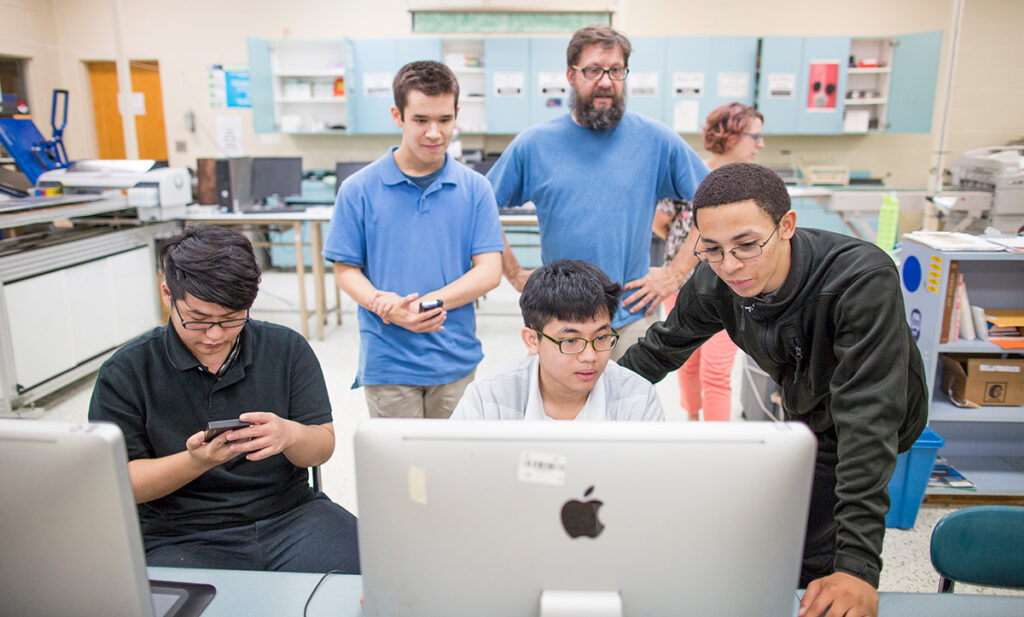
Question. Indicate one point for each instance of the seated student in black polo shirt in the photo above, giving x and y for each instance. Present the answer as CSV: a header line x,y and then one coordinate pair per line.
x,y
242,500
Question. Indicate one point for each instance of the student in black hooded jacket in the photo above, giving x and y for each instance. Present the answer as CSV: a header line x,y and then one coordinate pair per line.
x,y
823,315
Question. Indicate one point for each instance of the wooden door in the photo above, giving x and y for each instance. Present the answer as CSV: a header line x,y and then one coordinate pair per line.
x,y
149,128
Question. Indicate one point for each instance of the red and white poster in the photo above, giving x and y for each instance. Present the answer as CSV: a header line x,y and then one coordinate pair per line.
x,y
822,83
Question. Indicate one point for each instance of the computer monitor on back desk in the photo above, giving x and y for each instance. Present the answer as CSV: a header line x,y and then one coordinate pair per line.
x,y
346,169
518,519
277,177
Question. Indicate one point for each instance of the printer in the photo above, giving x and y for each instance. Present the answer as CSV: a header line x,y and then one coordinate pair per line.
x,y
999,171
158,192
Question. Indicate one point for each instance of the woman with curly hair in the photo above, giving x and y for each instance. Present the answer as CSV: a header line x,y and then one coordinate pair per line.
x,y
732,134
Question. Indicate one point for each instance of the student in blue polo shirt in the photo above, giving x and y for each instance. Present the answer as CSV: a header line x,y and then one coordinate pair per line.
x,y
411,228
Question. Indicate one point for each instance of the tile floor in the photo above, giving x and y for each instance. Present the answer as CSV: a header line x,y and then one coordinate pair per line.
x,y
905,553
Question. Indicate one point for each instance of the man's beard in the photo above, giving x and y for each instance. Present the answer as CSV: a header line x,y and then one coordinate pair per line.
x,y
598,119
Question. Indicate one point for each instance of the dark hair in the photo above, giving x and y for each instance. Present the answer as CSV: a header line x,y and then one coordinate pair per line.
x,y
599,35
739,182
568,290
429,77
725,125
213,264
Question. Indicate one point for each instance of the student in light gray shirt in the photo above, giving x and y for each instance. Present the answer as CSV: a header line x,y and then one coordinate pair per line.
x,y
567,307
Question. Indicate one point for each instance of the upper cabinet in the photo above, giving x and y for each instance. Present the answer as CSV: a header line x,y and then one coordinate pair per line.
x,y
915,73
803,85
376,62
300,87
506,89
547,87
833,85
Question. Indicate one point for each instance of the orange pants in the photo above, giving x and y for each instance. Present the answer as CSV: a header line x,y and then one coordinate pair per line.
x,y
704,381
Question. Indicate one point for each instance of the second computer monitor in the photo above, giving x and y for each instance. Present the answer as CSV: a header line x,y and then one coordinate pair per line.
x,y
517,519
276,176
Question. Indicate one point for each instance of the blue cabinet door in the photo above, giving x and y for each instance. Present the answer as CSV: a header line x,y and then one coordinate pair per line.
x,y
780,62
915,70
508,62
688,66
648,80
733,71
376,61
548,89
827,120
261,86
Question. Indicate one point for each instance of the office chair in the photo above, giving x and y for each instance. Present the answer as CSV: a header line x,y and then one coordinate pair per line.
x,y
980,545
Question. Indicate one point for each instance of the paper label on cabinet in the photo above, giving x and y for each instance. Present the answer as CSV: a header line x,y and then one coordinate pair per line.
x,y
781,85
377,85
688,84
643,84
733,85
509,85
552,84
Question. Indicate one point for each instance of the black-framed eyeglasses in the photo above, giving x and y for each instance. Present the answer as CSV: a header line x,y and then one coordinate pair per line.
x,y
754,136
594,73
575,345
747,250
226,324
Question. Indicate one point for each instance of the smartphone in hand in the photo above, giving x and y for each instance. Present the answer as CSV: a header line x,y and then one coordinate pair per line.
x,y
429,305
220,426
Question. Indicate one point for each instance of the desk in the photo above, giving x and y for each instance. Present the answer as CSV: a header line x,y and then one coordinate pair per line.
x,y
273,594
316,217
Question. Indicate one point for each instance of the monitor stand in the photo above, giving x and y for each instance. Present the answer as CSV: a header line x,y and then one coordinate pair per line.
x,y
556,603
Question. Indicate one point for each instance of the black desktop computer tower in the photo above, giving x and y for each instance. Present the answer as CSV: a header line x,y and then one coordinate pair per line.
x,y
225,182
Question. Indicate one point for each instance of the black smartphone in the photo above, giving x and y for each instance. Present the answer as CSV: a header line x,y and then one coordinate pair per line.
x,y
429,305
219,426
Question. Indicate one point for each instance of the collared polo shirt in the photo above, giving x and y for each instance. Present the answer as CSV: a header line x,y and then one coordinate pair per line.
x,y
159,394
593,410
406,239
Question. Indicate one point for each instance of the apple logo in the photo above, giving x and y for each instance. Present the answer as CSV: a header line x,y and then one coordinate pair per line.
x,y
580,517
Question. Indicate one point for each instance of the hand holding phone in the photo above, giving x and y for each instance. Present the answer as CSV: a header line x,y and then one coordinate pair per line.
x,y
220,426
429,305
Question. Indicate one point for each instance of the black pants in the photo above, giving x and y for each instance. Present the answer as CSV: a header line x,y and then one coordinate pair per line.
x,y
820,543
316,536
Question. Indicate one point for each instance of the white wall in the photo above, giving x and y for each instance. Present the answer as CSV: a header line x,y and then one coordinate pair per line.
x,y
188,35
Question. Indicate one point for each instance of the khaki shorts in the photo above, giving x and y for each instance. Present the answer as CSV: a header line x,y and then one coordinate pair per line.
x,y
631,333
398,401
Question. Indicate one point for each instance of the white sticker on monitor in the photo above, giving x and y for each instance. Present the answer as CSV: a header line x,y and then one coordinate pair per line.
x,y
542,468
417,485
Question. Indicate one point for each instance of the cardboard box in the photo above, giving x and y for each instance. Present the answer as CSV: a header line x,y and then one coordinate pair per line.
x,y
980,382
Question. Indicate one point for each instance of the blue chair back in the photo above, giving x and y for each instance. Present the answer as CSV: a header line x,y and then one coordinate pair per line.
x,y
980,545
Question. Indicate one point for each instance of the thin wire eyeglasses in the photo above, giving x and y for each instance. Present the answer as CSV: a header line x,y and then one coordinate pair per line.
x,y
575,345
225,324
754,136
594,73
747,250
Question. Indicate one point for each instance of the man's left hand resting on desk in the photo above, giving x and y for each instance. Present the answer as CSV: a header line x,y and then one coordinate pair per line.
x,y
841,595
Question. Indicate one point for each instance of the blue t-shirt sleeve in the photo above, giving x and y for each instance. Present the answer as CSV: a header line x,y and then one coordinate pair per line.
x,y
346,237
685,171
487,236
507,177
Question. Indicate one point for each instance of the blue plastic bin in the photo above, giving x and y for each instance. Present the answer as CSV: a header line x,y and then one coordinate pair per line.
x,y
910,479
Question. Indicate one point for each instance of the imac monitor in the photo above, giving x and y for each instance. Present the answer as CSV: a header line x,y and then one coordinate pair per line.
x,y
346,169
529,518
278,177
69,532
